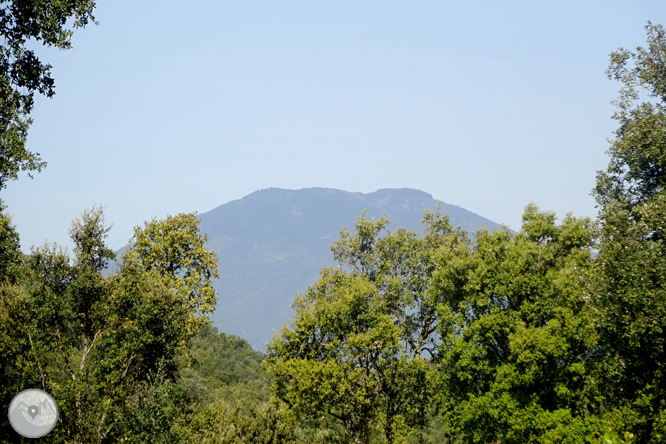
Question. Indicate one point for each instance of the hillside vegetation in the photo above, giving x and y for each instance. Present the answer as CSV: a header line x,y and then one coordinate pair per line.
x,y
273,243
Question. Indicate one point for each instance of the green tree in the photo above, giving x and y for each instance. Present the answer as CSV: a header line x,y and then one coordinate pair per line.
x,y
176,250
19,364
22,73
358,357
107,349
224,366
229,395
99,339
11,257
516,333
233,422
631,195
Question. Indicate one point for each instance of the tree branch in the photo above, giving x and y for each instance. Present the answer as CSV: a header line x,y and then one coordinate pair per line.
x,y
87,350
41,371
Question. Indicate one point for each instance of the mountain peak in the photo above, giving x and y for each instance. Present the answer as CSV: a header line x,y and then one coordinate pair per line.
x,y
401,192
272,244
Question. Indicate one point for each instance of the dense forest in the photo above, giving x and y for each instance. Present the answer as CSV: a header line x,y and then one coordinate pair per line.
x,y
553,334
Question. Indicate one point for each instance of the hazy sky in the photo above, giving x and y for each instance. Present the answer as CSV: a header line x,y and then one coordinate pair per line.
x,y
175,106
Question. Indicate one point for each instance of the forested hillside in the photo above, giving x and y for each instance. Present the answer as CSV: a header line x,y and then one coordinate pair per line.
x,y
272,244
552,334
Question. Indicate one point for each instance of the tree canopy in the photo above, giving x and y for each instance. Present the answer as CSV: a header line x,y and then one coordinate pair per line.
x,y
517,336
176,250
631,266
22,73
104,347
356,351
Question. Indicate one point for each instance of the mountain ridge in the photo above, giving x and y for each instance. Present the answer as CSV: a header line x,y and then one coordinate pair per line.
x,y
272,243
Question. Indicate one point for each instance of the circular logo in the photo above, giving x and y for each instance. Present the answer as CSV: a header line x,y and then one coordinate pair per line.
x,y
33,413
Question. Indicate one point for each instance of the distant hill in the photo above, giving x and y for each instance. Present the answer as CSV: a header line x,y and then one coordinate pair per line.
x,y
272,244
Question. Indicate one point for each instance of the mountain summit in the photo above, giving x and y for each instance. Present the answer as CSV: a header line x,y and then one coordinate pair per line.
x,y
272,244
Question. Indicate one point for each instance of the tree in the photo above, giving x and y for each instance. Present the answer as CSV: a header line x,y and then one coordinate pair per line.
x,y
232,421
107,349
224,366
631,265
22,73
18,366
358,356
230,397
99,340
176,250
516,333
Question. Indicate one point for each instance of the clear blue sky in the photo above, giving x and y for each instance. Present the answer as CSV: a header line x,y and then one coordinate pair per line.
x,y
175,106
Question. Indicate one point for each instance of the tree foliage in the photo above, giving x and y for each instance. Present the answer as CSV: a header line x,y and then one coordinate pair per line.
x,y
19,364
631,266
517,334
176,250
224,366
106,348
50,22
101,337
355,358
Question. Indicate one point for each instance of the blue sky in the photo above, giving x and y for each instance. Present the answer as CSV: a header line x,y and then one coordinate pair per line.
x,y
172,106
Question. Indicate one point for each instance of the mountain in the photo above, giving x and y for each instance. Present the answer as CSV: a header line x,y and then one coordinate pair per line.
x,y
272,244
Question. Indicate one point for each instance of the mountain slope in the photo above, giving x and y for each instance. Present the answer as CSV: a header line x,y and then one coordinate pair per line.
x,y
272,244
